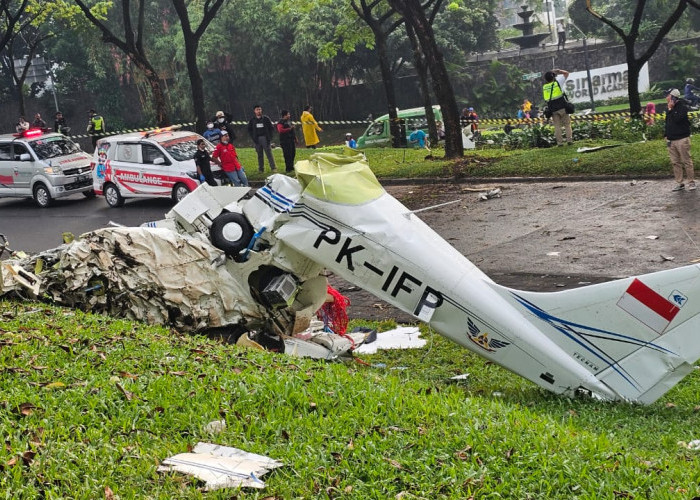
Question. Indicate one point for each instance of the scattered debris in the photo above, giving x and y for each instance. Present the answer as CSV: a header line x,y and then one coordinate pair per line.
x,y
222,466
553,254
463,376
596,148
667,258
215,427
492,193
692,445
652,237
403,337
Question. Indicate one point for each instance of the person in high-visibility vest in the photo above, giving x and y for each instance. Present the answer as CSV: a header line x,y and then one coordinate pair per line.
x,y
96,127
553,93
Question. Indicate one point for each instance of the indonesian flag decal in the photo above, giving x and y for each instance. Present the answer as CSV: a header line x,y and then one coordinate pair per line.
x,y
649,307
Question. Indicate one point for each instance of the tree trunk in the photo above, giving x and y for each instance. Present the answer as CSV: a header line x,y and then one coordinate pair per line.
x,y
422,71
633,68
156,91
442,87
388,80
20,101
196,81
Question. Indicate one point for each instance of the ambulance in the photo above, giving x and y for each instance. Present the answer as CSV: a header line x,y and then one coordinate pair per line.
x,y
154,164
43,165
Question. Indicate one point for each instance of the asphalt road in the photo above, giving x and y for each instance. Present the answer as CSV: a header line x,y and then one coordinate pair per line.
x,y
33,229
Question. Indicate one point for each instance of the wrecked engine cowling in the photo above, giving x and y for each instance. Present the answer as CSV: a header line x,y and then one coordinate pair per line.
x,y
159,276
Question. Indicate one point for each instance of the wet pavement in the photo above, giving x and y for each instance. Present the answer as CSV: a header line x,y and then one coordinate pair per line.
x,y
555,235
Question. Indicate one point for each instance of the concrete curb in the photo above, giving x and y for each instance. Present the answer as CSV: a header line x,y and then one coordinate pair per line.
x,y
419,181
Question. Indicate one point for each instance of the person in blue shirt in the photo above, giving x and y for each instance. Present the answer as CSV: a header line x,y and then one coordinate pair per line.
x,y
349,141
417,138
688,94
212,133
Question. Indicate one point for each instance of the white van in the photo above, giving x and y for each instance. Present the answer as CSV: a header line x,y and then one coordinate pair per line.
x,y
154,164
44,166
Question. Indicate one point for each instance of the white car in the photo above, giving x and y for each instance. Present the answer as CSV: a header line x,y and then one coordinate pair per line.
x,y
154,164
44,166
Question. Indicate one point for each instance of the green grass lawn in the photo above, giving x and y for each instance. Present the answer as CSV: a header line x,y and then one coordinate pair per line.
x,y
631,159
90,402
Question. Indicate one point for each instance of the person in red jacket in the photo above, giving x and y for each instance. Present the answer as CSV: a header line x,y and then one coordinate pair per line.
x,y
226,157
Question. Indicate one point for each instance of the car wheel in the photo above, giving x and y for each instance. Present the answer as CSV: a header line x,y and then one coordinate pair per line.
x,y
179,192
231,232
89,194
42,195
113,196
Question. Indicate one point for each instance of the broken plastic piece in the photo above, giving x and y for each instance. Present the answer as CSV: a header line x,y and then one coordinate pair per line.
x,y
492,193
404,337
222,466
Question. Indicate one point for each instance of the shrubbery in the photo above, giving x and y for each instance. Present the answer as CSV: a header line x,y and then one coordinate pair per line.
x,y
542,135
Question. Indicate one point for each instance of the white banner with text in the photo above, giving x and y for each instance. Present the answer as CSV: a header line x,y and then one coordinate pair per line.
x,y
607,83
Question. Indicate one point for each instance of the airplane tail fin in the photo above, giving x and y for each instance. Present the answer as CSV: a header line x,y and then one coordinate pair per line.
x,y
640,336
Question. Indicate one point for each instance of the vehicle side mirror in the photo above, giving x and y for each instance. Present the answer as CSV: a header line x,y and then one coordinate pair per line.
x,y
158,161
25,157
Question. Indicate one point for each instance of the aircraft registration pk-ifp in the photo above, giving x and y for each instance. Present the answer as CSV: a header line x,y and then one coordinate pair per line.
x,y
631,339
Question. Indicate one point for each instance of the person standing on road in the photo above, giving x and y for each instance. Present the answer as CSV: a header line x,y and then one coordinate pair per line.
x,y
260,130
553,93
288,140
309,126
677,134
226,157
96,126
203,162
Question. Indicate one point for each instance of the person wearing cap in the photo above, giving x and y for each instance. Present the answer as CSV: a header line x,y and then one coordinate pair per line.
x,y
226,157
212,133
288,139
677,134
60,125
309,127
553,93
203,161
224,121
96,126
260,130
349,141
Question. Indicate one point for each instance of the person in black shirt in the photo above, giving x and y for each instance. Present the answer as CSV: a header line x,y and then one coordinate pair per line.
x,y
677,134
60,125
260,130
203,162
288,140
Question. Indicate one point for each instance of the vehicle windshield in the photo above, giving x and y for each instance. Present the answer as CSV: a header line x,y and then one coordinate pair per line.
x,y
53,147
183,148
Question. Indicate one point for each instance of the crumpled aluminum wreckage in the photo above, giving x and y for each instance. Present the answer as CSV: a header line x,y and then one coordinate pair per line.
x,y
255,264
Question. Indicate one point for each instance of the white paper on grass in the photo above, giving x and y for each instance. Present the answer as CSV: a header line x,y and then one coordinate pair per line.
x,y
403,337
221,466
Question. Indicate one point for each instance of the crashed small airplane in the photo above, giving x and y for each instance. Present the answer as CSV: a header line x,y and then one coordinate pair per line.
x,y
630,339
